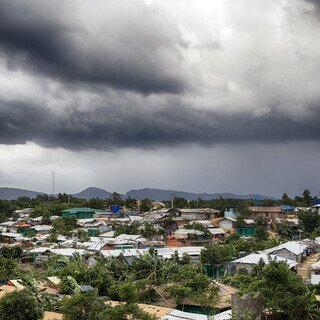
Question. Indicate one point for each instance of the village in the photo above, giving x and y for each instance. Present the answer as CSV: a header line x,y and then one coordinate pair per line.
x,y
120,255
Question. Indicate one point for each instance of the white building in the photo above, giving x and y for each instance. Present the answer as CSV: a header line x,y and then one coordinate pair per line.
x,y
227,223
253,259
315,273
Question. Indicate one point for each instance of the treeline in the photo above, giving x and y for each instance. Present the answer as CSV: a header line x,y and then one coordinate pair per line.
x,y
48,205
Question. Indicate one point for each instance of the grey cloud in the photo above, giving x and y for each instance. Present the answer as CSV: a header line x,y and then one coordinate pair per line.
x,y
131,48
315,4
111,127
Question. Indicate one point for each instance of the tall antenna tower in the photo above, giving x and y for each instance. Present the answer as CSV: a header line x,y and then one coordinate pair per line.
x,y
172,197
53,183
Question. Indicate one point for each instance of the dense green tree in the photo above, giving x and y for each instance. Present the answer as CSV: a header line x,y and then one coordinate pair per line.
x,y
97,203
307,199
190,281
261,230
283,291
148,230
124,312
309,220
7,268
11,252
285,230
261,233
53,236
145,205
115,199
286,200
20,305
83,306
83,235
132,228
65,225
39,210
179,292
216,253
130,203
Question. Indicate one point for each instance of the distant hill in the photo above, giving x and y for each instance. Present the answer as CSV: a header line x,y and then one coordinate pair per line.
x,y
153,194
160,194
15,193
92,192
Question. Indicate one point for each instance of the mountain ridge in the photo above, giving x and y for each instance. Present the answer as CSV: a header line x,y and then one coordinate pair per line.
x,y
151,193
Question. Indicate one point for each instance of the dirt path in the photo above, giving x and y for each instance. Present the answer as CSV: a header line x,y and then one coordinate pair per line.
x,y
303,269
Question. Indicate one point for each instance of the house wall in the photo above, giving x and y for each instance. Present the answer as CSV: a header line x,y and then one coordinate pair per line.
x,y
315,277
229,213
226,224
246,232
266,215
194,216
284,253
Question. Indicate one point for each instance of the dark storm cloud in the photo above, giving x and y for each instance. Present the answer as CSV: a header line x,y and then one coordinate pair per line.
x,y
111,127
131,48
315,4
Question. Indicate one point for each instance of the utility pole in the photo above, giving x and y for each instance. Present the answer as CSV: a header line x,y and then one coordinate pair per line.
x,y
53,183
172,195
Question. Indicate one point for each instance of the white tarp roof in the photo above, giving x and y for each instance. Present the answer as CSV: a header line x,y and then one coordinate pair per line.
x,y
162,252
181,315
254,258
216,231
296,247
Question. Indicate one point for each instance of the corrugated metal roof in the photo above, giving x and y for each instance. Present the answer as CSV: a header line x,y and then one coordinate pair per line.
x,y
254,258
296,247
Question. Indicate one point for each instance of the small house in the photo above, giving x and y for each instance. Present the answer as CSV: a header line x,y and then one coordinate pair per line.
x,y
249,261
79,213
248,229
227,223
315,273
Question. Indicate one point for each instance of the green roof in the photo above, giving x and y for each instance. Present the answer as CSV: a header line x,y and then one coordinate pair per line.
x,y
75,210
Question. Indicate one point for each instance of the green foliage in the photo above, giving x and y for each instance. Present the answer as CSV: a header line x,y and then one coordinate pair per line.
x,y
83,306
130,203
310,221
217,253
261,233
283,291
64,226
88,306
124,291
148,230
179,292
39,210
69,285
20,305
53,237
285,230
199,227
125,312
83,235
145,205
115,199
307,197
286,200
191,282
133,228
11,252
7,268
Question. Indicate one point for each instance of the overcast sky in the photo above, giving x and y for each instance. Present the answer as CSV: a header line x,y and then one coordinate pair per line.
x,y
194,95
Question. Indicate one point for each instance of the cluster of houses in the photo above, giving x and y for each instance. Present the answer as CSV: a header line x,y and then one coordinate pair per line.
x,y
183,232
